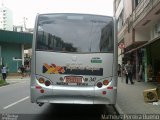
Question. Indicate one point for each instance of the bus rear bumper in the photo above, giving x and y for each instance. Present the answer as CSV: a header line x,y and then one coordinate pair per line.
x,y
73,100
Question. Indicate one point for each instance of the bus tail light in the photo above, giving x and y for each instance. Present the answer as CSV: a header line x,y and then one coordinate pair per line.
x,y
47,83
42,91
104,92
99,84
44,81
41,80
110,87
38,87
105,82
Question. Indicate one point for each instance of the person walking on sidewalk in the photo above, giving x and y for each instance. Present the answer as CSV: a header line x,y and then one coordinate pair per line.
x,y
119,70
22,68
4,72
129,72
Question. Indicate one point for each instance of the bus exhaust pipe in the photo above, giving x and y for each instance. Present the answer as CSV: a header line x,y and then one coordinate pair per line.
x,y
40,104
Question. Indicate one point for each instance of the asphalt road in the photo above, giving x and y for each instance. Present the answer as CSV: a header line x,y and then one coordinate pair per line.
x,y
15,104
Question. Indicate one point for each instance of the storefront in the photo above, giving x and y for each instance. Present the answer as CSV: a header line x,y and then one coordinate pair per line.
x,y
153,61
146,61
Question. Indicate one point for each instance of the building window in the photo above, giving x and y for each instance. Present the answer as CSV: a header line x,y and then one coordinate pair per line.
x,y
137,2
120,21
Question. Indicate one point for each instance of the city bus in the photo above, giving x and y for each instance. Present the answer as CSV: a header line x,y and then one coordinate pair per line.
x,y
74,59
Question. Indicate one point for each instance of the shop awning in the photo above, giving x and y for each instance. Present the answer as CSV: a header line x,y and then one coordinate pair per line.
x,y
143,45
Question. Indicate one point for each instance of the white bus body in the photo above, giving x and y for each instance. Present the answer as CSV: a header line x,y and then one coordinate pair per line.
x,y
74,59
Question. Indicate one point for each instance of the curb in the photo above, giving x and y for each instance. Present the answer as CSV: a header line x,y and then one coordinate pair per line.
x,y
4,84
119,109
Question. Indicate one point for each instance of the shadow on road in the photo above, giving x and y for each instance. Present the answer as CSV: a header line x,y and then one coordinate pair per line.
x,y
72,112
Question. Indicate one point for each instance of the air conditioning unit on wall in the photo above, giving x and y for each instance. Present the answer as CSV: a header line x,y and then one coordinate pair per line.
x,y
151,95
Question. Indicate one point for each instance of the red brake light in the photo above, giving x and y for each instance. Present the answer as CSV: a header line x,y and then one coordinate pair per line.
x,y
104,92
110,87
38,87
42,91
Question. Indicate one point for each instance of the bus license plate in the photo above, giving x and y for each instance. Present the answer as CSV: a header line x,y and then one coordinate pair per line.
x,y
72,79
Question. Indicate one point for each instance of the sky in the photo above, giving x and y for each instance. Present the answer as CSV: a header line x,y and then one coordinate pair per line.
x,y
30,8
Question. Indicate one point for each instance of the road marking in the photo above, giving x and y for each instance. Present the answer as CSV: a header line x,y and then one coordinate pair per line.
x,y
16,102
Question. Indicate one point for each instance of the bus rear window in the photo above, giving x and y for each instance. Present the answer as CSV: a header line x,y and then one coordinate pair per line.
x,y
74,33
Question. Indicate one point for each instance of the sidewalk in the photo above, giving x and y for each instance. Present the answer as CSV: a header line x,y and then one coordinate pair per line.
x,y
16,79
130,98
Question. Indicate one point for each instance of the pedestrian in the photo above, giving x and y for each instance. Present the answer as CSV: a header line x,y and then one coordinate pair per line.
x,y
129,72
123,72
22,71
28,70
119,70
4,72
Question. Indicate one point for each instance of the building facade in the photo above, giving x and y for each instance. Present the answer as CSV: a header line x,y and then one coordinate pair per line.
x,y
6,19
12,46
138,25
